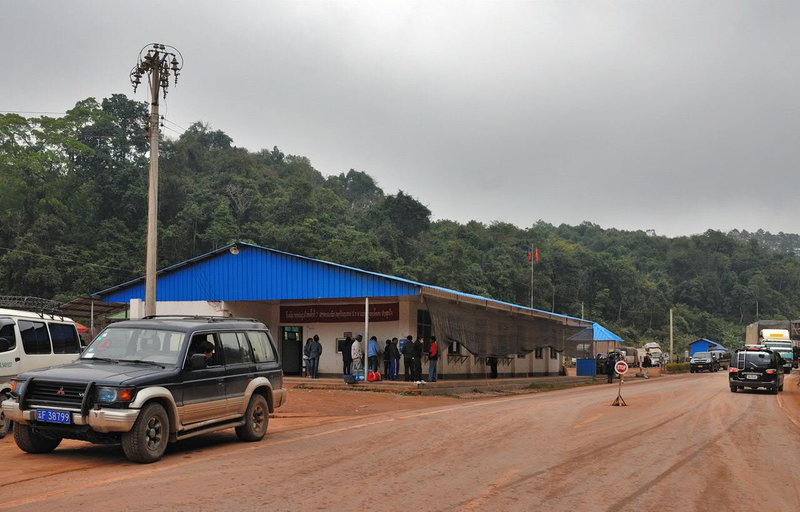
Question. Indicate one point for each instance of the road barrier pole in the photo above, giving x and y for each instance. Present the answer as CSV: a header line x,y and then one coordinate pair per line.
x,y
621,368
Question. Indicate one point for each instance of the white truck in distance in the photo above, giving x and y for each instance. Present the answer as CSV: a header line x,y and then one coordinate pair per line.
x,y
656,356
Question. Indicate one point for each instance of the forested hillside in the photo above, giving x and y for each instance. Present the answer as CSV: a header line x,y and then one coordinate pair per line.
x,y
73,213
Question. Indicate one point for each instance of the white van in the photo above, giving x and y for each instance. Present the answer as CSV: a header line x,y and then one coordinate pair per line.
x,y
29,341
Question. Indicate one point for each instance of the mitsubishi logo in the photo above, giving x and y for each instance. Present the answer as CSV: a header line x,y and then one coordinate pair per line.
x,y
61,391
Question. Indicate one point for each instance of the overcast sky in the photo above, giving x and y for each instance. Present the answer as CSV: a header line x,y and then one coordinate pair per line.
x,y
672,116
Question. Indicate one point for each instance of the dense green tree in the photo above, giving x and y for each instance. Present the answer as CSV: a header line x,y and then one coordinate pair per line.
x,y
73,213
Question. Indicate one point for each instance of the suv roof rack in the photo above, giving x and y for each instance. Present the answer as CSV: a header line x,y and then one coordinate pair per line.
x,y
208,318
36,305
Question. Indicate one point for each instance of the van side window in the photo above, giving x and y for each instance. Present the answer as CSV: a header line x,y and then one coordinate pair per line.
x,y
230,345
246,354
65,339
262,348
34,337
8,338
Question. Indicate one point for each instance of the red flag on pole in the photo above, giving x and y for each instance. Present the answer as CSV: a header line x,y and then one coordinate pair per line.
x,y
529,255
536,257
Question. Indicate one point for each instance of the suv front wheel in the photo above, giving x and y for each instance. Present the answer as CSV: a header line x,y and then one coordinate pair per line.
x,y
31,441
149,436
256,419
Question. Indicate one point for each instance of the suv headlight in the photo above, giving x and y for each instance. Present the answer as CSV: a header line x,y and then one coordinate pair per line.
x,y
17,386
109,395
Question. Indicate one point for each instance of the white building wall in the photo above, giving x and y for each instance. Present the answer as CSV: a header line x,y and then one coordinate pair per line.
x,y
188,308
268,312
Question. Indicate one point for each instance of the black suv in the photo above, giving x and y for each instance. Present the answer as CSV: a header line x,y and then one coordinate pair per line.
x,y
144,383
703,361
756,367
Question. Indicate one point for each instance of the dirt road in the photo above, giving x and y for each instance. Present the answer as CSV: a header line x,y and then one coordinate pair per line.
x,y
683,443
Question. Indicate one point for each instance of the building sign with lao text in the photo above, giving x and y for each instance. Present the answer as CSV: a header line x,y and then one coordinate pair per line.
x,y
318,313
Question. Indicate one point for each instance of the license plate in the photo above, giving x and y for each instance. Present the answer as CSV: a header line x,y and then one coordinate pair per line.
x,y
752,377
52,416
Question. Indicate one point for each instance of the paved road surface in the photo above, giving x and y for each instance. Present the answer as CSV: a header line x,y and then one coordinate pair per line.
x,y
683,443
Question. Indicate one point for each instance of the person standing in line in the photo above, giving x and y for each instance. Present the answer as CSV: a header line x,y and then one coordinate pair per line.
x,y
610,367
417,361
306,363
372,353
314,353
646,363
433,357
394,359
347,358
357,357
408,357
492,362
386,358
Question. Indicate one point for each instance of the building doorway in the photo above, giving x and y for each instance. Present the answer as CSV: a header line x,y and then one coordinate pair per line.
x,y
292,347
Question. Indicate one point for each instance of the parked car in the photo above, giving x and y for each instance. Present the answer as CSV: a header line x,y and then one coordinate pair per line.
x,y
144,383
702,362
756,367
723,357
29,341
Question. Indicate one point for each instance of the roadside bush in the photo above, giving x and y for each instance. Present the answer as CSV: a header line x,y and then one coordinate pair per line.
x,y
677,367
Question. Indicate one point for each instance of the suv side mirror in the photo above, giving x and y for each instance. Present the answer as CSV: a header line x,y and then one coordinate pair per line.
x,y
197,362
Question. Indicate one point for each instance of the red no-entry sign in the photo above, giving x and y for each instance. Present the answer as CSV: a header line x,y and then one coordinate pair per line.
x,y
621,367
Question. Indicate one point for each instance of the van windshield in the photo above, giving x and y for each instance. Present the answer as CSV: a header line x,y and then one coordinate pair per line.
x,y
136,344
703,355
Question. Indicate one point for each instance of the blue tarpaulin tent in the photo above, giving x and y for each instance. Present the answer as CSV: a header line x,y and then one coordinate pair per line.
x,y
594,339
705,345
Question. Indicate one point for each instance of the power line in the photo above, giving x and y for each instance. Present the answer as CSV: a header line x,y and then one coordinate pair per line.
x,y
68,259
173,123
31,112
172,129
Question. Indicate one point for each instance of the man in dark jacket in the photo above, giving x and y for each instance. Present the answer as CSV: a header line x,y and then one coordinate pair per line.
x,y
610,367
408,357
417,361
313,351
386,359
394,359
646,363
347,358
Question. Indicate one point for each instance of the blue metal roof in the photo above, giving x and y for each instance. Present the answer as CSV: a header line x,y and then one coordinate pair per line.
x,y
710,345
262,273
595,333
258,273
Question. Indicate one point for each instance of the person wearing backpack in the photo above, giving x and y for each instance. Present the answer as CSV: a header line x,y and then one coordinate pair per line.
x,y
394,359
386,358
408,357
416,362
647,363
433,358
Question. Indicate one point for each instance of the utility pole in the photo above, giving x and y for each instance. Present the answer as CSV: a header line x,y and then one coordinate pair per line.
x,y
530,257
156,62
671,355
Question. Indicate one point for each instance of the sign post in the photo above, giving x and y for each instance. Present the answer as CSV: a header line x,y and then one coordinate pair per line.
x,y
621,367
